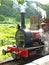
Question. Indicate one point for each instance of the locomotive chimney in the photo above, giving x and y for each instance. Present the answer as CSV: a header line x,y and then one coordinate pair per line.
x,y
22,16
22,19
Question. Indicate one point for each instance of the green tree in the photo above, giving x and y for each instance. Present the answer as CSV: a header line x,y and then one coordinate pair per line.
x,y
46,8
20,1
31,11
2,18
18,17
6,7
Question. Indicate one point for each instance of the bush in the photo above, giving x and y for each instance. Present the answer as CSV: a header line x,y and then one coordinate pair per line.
x,y
18,17
2,18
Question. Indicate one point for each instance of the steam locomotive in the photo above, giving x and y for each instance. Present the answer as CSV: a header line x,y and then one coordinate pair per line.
x,y
28,44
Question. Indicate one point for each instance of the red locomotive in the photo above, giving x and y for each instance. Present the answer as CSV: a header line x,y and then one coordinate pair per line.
x,y
28,44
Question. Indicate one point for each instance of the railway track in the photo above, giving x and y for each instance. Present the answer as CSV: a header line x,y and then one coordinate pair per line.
x,y
18,62
11,62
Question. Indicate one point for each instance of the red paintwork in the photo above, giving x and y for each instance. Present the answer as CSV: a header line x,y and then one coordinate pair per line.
x,y
21,52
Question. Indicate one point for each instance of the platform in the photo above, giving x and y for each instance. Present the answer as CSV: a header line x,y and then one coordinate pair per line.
x,y
41,61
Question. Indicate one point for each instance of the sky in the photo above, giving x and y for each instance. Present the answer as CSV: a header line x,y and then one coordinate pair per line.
x,y
41,1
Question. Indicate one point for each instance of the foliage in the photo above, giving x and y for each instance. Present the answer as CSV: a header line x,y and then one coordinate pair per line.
x,y
46,8
18,17
27,21
20,1
31,11
7,34
7,7
2,17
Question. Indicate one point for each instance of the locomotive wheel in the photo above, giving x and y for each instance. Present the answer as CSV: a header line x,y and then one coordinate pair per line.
x,y
14,55
4,52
